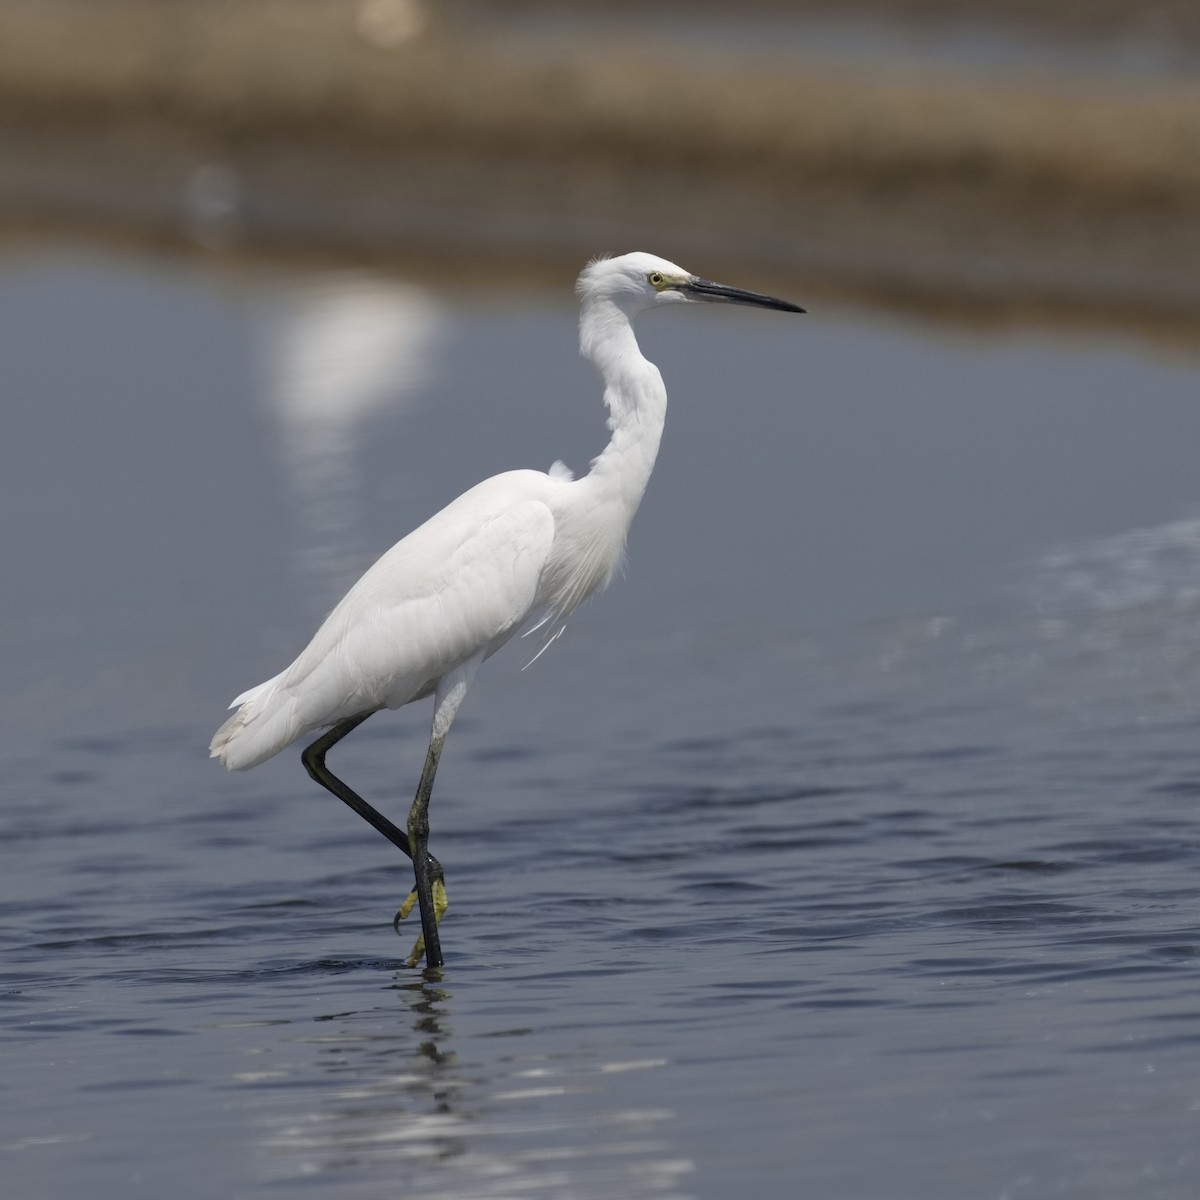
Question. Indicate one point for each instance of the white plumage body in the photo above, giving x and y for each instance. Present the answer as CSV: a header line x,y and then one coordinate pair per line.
x,y
463,582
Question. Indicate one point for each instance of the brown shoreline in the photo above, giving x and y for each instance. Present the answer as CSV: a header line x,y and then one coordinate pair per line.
x,y
996,194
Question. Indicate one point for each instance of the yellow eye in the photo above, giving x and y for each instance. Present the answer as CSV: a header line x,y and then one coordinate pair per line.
x,y
656,278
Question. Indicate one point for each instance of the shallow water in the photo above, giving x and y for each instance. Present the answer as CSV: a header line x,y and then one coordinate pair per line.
x,y
846,848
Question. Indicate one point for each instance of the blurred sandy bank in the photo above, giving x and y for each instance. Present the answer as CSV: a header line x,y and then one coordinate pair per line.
x,y
397,128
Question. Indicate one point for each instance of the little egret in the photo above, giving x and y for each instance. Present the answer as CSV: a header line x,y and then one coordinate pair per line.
x,y
522,545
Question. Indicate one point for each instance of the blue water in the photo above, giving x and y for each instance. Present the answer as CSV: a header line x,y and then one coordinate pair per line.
x,y
846,848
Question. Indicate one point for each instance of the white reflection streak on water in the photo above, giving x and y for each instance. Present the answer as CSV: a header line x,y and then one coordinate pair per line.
x,y
363,1128
348,348
1160,564
1110,626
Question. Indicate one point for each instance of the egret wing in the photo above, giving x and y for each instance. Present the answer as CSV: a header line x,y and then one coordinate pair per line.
x,y
462,582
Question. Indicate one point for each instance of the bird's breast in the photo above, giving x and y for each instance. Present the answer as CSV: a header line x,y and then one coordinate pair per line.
x,y
589,541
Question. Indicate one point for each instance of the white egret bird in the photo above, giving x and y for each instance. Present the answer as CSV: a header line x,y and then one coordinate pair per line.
x,y
521,545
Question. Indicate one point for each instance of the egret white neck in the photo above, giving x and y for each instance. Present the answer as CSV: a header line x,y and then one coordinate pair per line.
x,y
636,400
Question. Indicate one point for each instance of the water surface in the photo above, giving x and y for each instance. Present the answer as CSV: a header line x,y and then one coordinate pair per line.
x,y
846,848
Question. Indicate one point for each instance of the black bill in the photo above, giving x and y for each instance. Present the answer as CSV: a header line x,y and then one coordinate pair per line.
x,y
705,289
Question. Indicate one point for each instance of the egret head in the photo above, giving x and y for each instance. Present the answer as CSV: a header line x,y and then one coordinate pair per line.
x,y
637,281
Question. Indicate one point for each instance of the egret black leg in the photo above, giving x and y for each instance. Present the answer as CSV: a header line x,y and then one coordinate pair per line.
x,y
314,762
426,868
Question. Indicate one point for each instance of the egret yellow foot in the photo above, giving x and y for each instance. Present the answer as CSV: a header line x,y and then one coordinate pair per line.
x,y
440,904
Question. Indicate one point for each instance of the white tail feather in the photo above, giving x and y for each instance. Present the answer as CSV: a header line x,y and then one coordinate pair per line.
x,y
265,722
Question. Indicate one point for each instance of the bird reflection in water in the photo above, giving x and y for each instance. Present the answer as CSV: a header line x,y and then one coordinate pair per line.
x,y
387,1099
